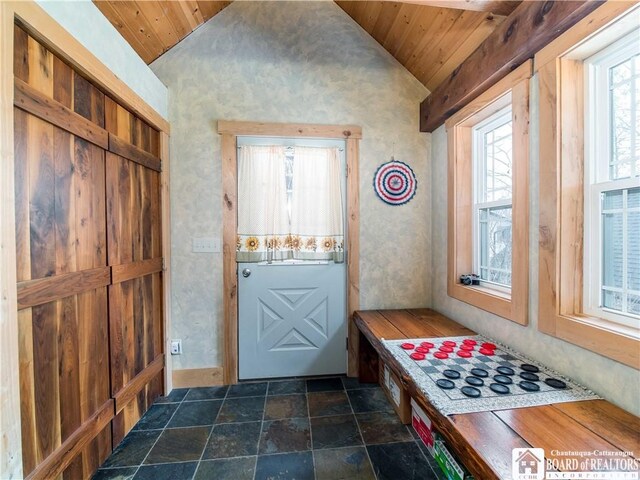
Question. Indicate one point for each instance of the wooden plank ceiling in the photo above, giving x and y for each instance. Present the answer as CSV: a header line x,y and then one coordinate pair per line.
x,y
428,39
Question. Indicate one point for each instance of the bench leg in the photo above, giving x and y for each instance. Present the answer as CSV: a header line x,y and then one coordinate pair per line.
x,y
368,361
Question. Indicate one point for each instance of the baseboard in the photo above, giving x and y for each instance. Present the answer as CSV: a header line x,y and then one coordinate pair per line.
x,y
197,377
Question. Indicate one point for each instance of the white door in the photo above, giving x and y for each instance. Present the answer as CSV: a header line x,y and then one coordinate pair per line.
x,y
292,314
291,320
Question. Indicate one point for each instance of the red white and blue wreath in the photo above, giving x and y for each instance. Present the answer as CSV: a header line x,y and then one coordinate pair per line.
x,y
395,183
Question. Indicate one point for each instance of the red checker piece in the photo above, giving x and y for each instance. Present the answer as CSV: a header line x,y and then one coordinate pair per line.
x,y
408,346
422,350
417,356
463,353
445,349
469,341
427,345
488,352
449,343
488,346
466,347
441,355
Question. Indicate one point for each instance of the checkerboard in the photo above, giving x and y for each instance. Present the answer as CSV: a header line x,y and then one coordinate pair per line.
x,y
428,371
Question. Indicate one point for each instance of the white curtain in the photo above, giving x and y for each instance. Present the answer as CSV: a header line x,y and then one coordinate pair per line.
x,y
317,224
306,223
263,219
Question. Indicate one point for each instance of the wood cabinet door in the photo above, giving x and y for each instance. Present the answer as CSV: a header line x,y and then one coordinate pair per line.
x,y
89,266
135,254
62,272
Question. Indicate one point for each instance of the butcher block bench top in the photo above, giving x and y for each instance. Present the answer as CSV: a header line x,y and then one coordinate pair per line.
x,y
483,441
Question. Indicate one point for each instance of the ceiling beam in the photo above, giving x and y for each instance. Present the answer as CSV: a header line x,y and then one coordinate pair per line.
x,y
498,7
531,26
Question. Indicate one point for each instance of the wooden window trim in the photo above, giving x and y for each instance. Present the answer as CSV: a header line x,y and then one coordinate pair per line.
x,y
560,72
513,307
229,131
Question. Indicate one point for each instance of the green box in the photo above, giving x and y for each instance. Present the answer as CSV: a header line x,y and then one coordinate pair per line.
x,y
449,466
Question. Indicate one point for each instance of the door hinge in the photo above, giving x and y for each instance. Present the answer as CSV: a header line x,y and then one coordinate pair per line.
x,y
164,265
347,343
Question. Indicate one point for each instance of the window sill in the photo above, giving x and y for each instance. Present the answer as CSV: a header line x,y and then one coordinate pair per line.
x,y
617,342
491,300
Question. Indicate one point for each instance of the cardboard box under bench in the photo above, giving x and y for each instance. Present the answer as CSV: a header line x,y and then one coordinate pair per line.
x,y
396,394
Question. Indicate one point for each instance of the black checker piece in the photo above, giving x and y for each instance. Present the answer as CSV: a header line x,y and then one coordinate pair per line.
x,y
503,379
475,381
479,372
470,391
529,368
453,374
505,371
530,377
445,384
499,388
555,383
529,386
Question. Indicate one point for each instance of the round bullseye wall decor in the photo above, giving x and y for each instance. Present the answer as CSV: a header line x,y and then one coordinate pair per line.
x,y
395,183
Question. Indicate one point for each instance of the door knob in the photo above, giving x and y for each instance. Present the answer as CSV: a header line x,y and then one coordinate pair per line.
x,y
246,272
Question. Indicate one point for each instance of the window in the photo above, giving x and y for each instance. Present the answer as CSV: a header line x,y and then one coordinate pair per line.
x,y
589,255
492,161
488,205
612,176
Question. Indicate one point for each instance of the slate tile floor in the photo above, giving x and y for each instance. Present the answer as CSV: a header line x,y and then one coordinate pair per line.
x,y
319,429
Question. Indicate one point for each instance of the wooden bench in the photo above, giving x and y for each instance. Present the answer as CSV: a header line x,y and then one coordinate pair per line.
x,y
483,441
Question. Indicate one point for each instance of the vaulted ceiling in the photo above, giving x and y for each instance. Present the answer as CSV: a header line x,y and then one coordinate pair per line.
x,y
426,36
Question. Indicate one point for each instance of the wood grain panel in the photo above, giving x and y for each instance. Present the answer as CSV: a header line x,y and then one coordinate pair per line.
x,y
530,27
153,27
135,326
616,426
54,112
133,153
133,211
57,463
131,389
122,273
550,429
64,375
45,290
430,39
61,208
476,428
124,421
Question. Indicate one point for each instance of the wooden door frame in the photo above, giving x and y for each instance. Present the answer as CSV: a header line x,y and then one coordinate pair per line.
x,y
229,131
46,30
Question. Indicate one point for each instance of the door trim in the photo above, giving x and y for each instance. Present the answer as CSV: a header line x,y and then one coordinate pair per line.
x,y
229,131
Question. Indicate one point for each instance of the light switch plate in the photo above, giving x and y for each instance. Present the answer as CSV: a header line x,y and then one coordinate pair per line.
x,y
205,245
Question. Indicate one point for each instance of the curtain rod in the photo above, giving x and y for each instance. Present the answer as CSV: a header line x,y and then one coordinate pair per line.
x,y
286,147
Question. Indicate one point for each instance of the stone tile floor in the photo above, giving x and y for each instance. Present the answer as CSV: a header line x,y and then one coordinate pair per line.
x,y
319,429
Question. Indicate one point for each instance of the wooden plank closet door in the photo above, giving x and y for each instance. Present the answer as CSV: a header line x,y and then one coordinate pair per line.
x,y
60,230
135,253
89,266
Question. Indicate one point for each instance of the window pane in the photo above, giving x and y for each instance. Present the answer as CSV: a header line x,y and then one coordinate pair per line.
x,y
612,254
633,304
612,200
612,300
622,129
633,251
495,245
498,153
621,72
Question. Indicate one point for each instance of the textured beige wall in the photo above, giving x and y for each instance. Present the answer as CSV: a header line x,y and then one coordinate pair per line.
x,y
302,62
615,382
